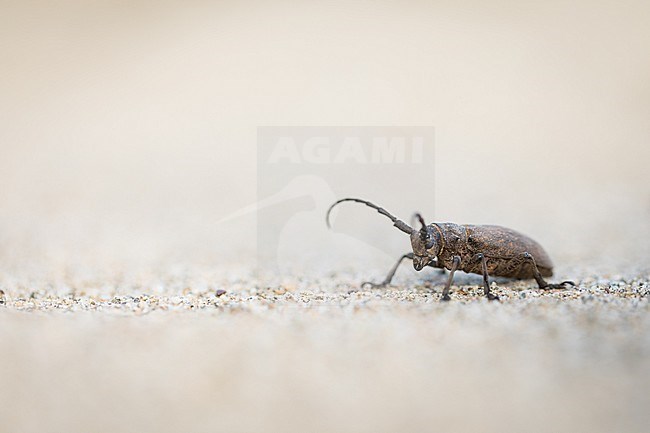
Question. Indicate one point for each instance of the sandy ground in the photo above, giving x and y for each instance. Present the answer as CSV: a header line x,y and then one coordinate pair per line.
x,y
176,353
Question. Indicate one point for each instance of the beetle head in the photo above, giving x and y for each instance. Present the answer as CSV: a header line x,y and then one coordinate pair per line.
x,y
423,242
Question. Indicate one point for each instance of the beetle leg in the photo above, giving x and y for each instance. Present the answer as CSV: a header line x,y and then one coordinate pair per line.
x,y
541,282
455,264
486,283
390,275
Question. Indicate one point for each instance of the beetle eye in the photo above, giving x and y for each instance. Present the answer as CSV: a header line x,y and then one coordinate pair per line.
x,y
429,243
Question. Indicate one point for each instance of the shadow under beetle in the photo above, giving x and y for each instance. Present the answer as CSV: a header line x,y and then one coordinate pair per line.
x,y
477,249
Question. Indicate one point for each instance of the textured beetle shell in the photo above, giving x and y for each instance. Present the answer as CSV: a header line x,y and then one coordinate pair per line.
x,y
503,248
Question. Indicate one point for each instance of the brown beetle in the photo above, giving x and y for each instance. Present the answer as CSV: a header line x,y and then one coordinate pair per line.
x,y
477,249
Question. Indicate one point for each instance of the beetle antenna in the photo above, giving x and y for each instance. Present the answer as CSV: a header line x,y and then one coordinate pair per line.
x,y
423,229
396,222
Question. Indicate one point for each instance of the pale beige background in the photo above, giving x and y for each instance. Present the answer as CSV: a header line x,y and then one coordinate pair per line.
x,y
127,129
142,118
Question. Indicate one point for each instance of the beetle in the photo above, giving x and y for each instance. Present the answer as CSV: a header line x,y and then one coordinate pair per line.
x,y
477,249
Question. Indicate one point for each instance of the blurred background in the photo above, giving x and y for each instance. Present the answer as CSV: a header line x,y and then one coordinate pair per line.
x,y
129,130
128,133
